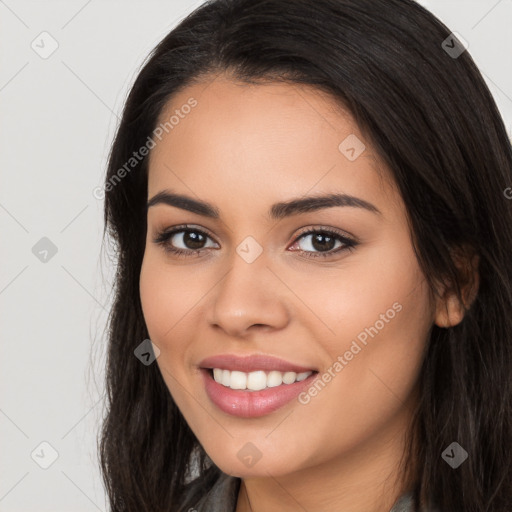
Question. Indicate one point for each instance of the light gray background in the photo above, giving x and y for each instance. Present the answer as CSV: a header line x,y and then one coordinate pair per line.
x,y
57,119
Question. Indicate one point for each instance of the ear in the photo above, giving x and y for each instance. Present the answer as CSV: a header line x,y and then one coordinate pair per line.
x,y
449,309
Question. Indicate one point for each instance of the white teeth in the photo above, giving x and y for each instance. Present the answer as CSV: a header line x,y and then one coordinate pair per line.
x,y
255,381
274,379
217,374
238,380
302,376
289,377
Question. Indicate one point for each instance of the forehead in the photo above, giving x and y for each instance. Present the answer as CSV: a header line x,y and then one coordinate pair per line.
x,y
262,139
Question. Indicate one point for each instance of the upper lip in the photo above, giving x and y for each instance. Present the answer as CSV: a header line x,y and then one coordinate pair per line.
x,y
251,363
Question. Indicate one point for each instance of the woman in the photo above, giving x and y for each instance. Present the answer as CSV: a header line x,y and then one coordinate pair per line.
x,y
308,203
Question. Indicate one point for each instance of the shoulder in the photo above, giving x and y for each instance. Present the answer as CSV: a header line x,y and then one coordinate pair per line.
x,y
220,497
223,494
406,504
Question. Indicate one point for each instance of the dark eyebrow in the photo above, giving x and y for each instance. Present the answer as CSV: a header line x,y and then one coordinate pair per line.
x,y
277,211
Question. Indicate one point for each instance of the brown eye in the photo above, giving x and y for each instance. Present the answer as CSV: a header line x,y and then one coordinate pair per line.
x,y
323,243
193,239
182,240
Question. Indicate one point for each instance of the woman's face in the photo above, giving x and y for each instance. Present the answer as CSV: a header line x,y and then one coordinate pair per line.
x,y
358,317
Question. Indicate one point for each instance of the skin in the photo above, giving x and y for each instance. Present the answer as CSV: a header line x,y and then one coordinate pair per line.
x,y
243,148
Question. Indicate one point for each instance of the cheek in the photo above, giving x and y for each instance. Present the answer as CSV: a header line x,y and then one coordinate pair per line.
x,y
369,388
165,300
382,344
379,317
167,296
155,297
380,290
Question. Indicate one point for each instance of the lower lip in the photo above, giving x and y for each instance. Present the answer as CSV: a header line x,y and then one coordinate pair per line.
x,y
252,404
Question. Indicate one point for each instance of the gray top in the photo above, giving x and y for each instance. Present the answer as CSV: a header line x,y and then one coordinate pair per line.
x,y
224,494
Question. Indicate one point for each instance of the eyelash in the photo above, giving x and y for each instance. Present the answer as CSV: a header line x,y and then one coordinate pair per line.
x,y
163,237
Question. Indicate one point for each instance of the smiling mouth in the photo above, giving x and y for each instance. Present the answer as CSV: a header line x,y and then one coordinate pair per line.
x,y
270,393
256,380
250,386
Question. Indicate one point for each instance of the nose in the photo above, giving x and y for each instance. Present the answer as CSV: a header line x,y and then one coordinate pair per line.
x,y
248,298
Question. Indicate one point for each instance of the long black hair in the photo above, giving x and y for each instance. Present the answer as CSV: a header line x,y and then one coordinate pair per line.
x,y
420,100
